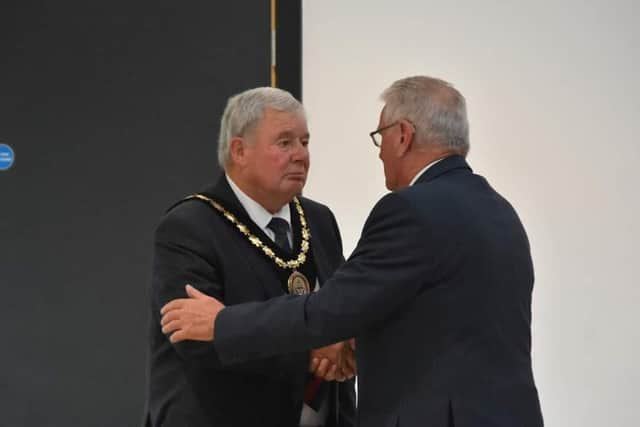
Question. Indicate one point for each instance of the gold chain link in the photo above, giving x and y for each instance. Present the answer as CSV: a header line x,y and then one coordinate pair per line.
x,y
255,240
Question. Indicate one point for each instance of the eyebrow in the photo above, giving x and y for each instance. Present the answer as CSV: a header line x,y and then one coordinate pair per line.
x,y
289,133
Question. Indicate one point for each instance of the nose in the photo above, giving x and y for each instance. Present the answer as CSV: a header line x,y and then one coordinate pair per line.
x,y
300,151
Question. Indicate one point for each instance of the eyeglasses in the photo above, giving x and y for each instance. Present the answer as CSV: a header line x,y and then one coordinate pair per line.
x,y
376,135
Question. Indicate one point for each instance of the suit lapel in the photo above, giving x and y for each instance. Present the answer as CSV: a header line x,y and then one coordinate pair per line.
x,y
262,267
222,193
320,259
313,241
319,256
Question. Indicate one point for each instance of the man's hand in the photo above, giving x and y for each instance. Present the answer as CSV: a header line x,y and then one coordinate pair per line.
x,y
190,318
335,362
349,367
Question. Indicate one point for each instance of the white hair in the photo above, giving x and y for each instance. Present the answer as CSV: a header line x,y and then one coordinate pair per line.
x,y
436,109
244,111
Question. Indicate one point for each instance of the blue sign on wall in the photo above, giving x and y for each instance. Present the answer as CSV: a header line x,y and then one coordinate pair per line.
x,y
6,157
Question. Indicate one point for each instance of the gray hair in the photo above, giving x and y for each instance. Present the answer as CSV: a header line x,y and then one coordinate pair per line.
x,y
436,109
244,111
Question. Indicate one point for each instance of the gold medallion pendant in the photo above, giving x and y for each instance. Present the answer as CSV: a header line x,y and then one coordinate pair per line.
x,y
298,284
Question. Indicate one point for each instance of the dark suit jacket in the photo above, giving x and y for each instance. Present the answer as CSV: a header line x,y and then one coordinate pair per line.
x,y
438,296
187,384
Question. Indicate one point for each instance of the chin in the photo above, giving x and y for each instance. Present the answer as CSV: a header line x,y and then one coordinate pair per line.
x,y
390,185
295,188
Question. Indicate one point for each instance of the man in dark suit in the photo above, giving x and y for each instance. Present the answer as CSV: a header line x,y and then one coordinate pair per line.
x,y
437,291
248,238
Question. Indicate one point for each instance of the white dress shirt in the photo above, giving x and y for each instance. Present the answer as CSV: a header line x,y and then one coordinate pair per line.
x,y
259,214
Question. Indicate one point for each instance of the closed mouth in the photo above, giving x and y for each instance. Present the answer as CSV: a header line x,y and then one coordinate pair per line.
x,y
296,175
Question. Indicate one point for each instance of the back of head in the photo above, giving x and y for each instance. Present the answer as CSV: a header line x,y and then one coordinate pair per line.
x,y
436,109
244,111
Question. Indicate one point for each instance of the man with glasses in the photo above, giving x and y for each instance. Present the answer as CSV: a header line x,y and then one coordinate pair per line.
x,y
437,292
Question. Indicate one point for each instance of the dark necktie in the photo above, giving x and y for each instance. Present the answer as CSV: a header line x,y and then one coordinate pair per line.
x,y
280,227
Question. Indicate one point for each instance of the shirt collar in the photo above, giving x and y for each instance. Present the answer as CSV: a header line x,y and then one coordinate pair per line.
x,y
256,211
423,170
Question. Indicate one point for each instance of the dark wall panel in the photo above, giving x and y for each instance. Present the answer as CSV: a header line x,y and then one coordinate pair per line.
x,y
289,46
112,109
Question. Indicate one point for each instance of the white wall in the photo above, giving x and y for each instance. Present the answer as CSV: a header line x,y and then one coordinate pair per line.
x,y
553,93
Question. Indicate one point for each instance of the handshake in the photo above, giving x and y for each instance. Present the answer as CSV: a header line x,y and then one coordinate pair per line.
x,y
335,362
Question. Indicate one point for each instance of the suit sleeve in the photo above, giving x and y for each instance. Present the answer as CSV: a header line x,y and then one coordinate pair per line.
x,y
182,256
389,267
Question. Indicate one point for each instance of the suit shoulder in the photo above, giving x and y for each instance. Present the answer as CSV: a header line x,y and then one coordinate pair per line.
x,y
187,211
314,206
431,188
320,217
444,189
390,206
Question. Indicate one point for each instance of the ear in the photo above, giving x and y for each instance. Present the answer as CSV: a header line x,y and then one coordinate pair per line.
x,y
407,133
237,150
